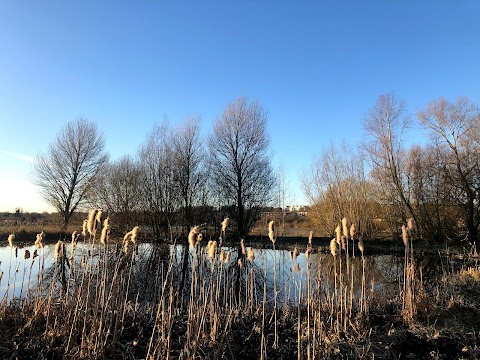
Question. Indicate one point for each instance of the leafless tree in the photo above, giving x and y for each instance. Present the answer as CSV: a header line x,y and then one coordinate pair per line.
x,y
118,190
455,128
240,165
159,197
385,123
188,164
64,174
336,186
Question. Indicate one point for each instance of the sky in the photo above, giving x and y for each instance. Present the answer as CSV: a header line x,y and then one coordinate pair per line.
x,y
316,67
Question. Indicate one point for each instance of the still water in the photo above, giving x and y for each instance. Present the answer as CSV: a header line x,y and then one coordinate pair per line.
x,y
383,273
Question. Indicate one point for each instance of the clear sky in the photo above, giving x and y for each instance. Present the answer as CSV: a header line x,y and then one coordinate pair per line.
x,y
315,66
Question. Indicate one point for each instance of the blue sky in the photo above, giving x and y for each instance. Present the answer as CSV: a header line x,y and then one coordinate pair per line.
x,y
316,67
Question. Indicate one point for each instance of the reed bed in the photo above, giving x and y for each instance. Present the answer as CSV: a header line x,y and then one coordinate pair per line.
x,y
104,298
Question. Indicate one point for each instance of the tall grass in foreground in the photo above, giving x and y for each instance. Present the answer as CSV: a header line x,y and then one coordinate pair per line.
x,y
106,299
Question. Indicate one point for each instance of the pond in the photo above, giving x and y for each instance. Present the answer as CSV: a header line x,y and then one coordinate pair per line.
x,y
281,269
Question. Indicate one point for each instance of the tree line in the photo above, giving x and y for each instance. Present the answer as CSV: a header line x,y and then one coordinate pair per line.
x,y
178,179
383,181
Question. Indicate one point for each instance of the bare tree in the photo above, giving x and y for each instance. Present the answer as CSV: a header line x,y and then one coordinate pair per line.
x,y
337,187
159,197
118,191
386,123
455,128
188,163
65,173
240,166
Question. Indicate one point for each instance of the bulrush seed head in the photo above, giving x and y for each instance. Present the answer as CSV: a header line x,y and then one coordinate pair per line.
x,y
225,224
361,246
345,227
333,247
405,236
39,240
242,244
59,250
294,253
133,239
250,255
271,231
85,227
192,236
105,232
338,235
11,237
211,250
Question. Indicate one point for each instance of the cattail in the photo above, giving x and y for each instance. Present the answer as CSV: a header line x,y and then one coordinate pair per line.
x,y
361,247
410,226
271,231
98,216
16,252
250,255
240,263
131,235
199,237
192,236
297,268
225,224
105,232
35,254
352,231
333,247
310,237
59,250
39,240
85,227
294,253
91,221
308,252
227,258
133,239
242,244
26,254
211,250
11,237
221,257
343,240
345,227
405,236
1,275
126,246
338,234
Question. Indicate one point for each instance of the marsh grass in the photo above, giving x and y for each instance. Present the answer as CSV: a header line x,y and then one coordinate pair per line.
x,y
104,298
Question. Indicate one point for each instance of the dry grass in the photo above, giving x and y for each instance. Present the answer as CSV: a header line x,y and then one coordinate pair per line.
x,y
107,299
